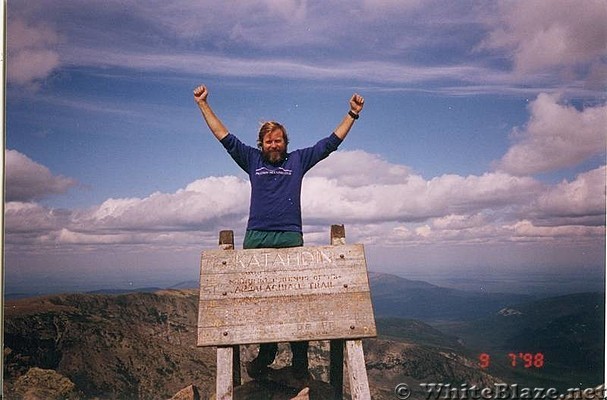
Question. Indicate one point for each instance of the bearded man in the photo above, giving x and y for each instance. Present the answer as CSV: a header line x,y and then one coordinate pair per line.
x,y
275,210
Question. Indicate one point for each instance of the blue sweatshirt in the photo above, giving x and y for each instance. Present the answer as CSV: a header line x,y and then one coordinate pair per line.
x,y
276,189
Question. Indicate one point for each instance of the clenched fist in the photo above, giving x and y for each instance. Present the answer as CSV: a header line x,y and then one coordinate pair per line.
x,y
356,103
200,94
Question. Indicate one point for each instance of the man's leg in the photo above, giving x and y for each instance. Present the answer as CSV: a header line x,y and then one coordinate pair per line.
x,y
267,351
300,358
258,368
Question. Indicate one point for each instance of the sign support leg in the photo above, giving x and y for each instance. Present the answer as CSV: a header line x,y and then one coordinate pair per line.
x,y
359,383
228,357
225,384
336,363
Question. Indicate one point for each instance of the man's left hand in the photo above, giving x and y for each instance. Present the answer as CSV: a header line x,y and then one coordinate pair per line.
x,y
356,103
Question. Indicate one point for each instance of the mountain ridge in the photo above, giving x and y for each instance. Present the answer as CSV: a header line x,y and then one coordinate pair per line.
x,y
139,344
143,345
395,296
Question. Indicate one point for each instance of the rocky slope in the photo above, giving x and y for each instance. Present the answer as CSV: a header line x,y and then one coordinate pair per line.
x,y
143,346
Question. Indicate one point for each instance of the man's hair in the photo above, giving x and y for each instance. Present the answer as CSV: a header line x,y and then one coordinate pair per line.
x,y
268,127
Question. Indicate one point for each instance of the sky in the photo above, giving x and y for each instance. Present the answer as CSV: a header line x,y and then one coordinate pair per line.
x,y
480,150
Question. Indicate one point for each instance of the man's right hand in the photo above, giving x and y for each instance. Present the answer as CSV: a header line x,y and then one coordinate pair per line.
x,y
200,94
215,125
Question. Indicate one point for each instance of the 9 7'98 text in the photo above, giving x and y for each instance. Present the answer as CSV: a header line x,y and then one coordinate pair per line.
x,y
525,360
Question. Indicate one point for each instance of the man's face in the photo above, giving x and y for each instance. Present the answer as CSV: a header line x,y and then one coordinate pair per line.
x,y
273,147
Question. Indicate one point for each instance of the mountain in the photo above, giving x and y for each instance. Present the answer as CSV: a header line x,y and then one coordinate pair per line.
x,y
139,345
562,338
151,289
143,346
415,331
394,296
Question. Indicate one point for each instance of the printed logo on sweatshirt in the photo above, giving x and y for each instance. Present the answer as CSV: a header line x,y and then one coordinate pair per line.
x,y
277,171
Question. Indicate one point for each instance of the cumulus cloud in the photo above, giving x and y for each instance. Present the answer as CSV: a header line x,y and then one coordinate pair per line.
x,y
205,205
582,199
557,136
31,51
359,168
201,205
31,219
543,34
26,180
375,190
382,203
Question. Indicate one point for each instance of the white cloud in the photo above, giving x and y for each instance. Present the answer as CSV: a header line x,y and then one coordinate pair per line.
x,y
381,204
347,168
31,51
32,220
541,34
557,136
175,219
459,221
27,180
389,6
303,40
383,72
526,229
261,23
583,198
374,190
203,205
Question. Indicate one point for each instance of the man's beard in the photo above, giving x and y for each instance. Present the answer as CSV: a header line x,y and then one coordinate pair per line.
x,y
274,157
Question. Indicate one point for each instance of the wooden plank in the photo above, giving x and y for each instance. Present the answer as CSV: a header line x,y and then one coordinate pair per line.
x,y
359,384
296,282
277,295
282,272
276,319
273,260
224,384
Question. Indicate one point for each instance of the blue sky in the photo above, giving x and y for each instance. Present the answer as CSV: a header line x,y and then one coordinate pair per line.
x,y
481,147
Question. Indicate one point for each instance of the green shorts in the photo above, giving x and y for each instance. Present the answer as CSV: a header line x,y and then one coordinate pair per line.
x,y
271,239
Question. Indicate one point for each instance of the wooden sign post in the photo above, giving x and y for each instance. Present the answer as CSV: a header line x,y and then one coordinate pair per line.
x,y
287,294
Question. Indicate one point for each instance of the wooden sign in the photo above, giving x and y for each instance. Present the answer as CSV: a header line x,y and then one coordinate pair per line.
x,y
279,295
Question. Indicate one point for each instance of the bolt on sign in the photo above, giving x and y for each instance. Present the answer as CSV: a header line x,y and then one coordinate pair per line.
x,y
279,295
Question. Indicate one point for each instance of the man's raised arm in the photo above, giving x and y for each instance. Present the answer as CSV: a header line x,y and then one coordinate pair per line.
x,y
356,105
215,125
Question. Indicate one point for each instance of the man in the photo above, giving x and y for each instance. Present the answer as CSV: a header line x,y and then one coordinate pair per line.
x,y
275,210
